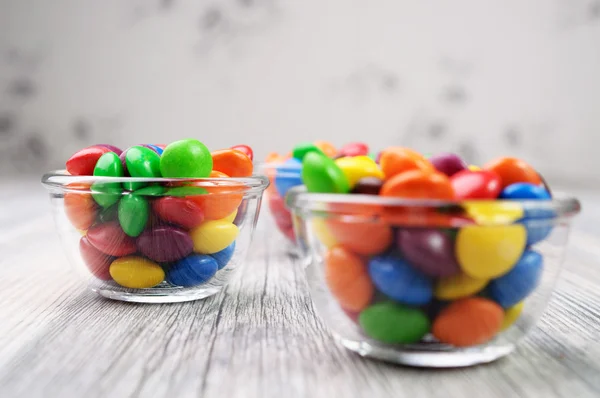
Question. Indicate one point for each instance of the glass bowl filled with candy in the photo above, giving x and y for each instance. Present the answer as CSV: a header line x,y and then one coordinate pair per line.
x,y
432,263
156,223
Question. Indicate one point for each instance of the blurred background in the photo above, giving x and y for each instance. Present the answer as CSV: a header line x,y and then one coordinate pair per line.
x,y
479,77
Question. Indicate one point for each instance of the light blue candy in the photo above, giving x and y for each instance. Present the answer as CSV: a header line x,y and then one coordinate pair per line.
x,y
192,270
156,148
288,176
399,281
518,283
224,256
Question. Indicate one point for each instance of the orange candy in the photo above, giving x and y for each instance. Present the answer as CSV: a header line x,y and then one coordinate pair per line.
x,y
419,184
468,322
217,174
231,162
327,148
348,279
361,237
512,170
274,157
80,207
220,201
396,160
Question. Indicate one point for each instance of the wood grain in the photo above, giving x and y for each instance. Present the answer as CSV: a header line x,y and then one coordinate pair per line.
x,y
259,338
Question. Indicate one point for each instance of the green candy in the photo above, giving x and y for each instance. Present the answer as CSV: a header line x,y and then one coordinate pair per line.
x,y
186,159
186,191
107,194
321,174
141,162
151,190
301,150
134,212
393,323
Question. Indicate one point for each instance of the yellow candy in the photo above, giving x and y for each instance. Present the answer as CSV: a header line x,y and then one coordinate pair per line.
x,y
486,252
358,167
511,315
492,213
82,232
213,236
458,286
136,272
323,234
231,217
474,168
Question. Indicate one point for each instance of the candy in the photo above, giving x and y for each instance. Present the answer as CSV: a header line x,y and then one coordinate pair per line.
x,y
113,148
418,184
321,174
151,190
354,149
180,211
154,148
361,237
186,158
323,233
217,174
468,322
511,315
397,160
97,262
110,239
458,286
431,251
245,149
493,213
233,163
224,256
523,190
136,272
192,270
448,163
213,236
288,176
141,162
472,167
516,285
82,163
347,278
165,244
512,170
134,212
107,194
485,252
220,200
394,323
368,186
469,184
399,281
355,168
301,150
326,147
80,207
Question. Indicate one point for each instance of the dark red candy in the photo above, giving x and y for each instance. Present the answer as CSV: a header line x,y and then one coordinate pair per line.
x,y
113,148
481,184
165,244
245,149
181,211
431,251
82,163
97,262
368,186
448,163
354,149
110,239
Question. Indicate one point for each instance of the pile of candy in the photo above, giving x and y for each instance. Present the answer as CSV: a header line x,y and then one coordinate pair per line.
x,y
457,272
141,234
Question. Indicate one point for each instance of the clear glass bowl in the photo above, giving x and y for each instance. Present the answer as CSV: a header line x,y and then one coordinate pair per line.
x,y
155,240
430,283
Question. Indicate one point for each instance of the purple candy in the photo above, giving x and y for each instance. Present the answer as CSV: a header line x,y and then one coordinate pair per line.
x,y
431,251
122,157
448,163
113,148
165,244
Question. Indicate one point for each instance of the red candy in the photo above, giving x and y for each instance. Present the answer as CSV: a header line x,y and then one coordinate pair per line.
x,y
97,262
483,184
245,149
181,211
354,149
110,239
82,163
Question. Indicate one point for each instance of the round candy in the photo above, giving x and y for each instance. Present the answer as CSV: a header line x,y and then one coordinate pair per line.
x,y
493,213
224,256
141,162
83,162
220,200
486,252
245,149
511,315
97,262
397,160
482,184
217,174
368,186
136,272
231,218
323,233
468,322
418,184
180,211
80,207
321,174
458,286
431,251
186,158
288,176
192,270
326,147
165,244
134,212
107,194
448,163
512,170
347,278
524,190
516,285
357,167
361,237
213,236
110,239
233,163
354,149
301,150
393,323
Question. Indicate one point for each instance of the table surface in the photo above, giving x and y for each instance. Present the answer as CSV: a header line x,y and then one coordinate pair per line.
x,y
259,337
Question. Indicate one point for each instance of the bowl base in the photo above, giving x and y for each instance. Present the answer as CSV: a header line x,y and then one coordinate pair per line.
x,y
158,296
429,356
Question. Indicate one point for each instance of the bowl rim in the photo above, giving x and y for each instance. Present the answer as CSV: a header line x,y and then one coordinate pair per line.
x,y
61,180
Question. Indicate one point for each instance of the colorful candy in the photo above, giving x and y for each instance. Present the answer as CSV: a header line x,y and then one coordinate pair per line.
x,y
321,174
133,214
233,163
192,270
516,285
393,323
358,167
141,162
83,162
448,163
136,272
431,251
186,159
213,236
347,278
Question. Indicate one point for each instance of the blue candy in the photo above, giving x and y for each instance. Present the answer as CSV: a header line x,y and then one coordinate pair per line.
x,y
192,270
399,281
224,255
538,222
288,176
518,283
156,149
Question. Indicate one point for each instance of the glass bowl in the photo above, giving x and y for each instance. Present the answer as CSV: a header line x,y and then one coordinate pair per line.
x,y
428,283
155,240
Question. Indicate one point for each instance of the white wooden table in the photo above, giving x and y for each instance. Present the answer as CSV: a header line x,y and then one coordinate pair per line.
x,y
258,338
